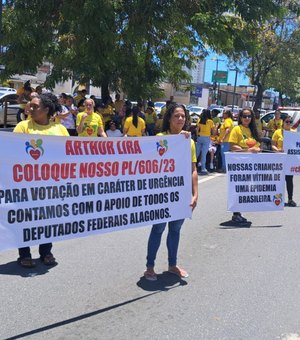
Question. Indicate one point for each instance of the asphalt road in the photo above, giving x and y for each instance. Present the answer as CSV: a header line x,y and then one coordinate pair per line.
x,y
244,282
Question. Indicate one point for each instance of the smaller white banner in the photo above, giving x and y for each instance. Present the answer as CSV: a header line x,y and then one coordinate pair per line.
x,y
291,145
256,182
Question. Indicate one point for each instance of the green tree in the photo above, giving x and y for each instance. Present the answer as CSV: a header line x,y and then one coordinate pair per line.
x,y
270,46
284,77
127,44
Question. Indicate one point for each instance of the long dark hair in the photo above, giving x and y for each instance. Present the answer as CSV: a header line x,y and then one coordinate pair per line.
x,y
228,113
168,115
135,116
50,101
252,124
205,115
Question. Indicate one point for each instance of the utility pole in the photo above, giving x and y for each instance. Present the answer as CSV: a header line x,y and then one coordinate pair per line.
x,y
234,88
1,7
218,83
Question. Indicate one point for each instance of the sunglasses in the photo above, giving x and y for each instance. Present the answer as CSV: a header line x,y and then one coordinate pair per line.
x,y
288,122
246,116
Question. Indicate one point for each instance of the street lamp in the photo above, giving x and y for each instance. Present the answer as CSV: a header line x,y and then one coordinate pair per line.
x,y
235,81
218,83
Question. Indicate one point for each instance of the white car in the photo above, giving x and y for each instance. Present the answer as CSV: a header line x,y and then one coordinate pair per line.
x,y
195,113
158,106
12,107
4,90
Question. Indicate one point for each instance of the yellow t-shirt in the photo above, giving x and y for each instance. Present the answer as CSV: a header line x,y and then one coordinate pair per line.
x,y
193,147
91,124
52,129
118,104
158,124
227,124
242,137
107,114
150,117
274,124
278,137
78,98
205,129
163,111
132,130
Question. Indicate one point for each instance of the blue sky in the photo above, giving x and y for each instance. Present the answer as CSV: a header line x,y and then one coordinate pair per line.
x,y
222,66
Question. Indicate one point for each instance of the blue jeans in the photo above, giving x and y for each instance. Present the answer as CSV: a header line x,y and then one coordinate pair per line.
x,y
150,129
202,146
224,148
44,250
172,242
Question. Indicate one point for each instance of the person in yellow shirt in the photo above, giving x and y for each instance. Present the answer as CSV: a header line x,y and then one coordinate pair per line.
x,y
205,129
158,124
244,138
134,125
277,146
174,123
118,105
260,125
88,122
274,124
216,119
225,130
80,97
150,119
42,108
23,97
107,110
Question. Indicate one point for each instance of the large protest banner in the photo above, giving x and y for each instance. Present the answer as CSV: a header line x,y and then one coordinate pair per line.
x,y
291,146
255,182
56,188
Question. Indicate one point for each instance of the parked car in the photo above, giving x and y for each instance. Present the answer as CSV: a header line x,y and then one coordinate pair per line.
x,y
12,108
4,90
158,106
235,111
195,113
292,112
221,109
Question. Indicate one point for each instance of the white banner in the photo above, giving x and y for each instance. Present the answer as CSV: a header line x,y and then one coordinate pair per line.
x,y
57,188
291,146
256,182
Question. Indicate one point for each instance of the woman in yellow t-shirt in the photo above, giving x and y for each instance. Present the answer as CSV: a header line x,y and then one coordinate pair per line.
x,y
225,130
42,108
274,124
205,129
150,118
134,125
244,138
277,146
88,122
175,120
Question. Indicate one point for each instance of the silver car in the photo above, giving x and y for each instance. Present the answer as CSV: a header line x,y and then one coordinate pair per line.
x,y
9,99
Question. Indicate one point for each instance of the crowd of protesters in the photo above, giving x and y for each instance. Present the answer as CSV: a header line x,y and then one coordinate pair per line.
x,y
86,116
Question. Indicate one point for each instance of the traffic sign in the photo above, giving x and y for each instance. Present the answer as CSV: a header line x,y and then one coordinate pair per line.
x,y
219,76
197,92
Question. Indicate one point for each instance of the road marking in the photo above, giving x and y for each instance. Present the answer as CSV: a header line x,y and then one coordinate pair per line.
x,y
209,177
290,336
